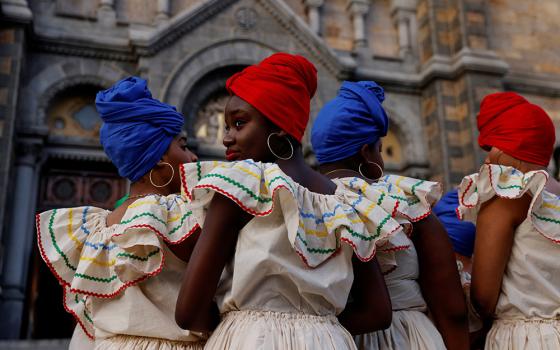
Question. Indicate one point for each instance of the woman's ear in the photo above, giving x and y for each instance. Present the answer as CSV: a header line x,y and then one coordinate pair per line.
x,y
364,153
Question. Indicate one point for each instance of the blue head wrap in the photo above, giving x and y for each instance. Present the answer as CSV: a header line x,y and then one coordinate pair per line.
x,y
137,129
352,119
461,233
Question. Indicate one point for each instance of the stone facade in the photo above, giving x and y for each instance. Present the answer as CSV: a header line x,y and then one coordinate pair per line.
x,y
436,58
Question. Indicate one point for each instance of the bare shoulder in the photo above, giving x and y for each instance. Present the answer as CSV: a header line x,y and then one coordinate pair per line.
x,y
512,211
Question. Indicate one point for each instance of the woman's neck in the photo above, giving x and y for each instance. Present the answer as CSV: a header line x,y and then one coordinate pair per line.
x,y
143,189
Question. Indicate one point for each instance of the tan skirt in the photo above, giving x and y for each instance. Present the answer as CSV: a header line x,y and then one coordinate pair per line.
x,y
409,330
128,342
268,330
524,334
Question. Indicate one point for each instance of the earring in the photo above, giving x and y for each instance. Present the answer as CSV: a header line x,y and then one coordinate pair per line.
x,y
377,165
168,182
274,153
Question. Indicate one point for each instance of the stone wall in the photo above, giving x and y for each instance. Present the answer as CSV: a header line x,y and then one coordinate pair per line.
x,y
11,57
525,34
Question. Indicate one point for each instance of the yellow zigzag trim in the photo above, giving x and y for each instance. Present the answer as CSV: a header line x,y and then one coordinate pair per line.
x,y
95,261
70,234
249,172
138,204
313,232
552,206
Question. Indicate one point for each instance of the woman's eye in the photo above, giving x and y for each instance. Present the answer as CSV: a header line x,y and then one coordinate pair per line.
x,y
238,123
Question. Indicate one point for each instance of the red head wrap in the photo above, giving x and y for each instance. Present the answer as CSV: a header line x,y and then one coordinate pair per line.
x,y
280,87
517,127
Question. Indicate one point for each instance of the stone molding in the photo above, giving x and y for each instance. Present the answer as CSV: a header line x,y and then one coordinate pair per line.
x,y
532,84
316,46
148,42
442,67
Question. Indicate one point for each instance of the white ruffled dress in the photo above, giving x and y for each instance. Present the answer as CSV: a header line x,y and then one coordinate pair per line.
x,y
121,282
527,315
292,269
412,200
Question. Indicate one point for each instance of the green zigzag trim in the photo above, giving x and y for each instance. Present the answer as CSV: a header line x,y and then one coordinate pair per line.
x,y
124,222
136,257
547,219
235,183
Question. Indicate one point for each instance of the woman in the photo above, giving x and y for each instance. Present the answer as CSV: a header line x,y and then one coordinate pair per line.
x,y
462,235
515,279
419,268
284,236
121,270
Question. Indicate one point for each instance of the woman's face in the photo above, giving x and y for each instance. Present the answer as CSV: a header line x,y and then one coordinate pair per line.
x,y
497,156
176,154
246,132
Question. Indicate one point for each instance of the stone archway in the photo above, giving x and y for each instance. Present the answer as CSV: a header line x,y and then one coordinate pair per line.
x,y
187,73
52,80
406,127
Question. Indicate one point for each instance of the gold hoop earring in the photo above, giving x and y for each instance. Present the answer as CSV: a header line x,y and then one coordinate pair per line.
x,y
377,165
168,182
274,153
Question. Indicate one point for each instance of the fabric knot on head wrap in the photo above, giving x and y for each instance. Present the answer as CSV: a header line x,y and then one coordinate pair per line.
x,y
280,87
519,128
461,233
137,129
352,119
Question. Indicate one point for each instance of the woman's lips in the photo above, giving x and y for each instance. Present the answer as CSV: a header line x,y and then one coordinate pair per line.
x,y
232,155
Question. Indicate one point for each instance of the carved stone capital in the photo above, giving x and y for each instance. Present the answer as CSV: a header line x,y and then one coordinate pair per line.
x,y
28,152
314,3
406,5
106,14
16,9
358,7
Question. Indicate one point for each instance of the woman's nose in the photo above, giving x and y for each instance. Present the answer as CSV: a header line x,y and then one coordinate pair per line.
x,y
228,140
193,157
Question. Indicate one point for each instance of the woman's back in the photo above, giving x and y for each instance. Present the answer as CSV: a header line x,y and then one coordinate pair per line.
x,y
293,258
528,309
120,280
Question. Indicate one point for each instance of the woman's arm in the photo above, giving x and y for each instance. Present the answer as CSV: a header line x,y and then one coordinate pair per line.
x,y
370,309
495,227
184,249
440,282
195,308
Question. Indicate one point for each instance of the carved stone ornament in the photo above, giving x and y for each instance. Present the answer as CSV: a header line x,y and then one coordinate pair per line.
x,y
246,18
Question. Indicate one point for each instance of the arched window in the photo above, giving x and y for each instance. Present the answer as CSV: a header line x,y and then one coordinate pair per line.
x,y
204,112
72,116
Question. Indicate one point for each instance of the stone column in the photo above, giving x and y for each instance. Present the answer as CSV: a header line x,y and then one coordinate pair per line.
x,y
106,14
314,17
404,17
163,11
19,238
358,10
